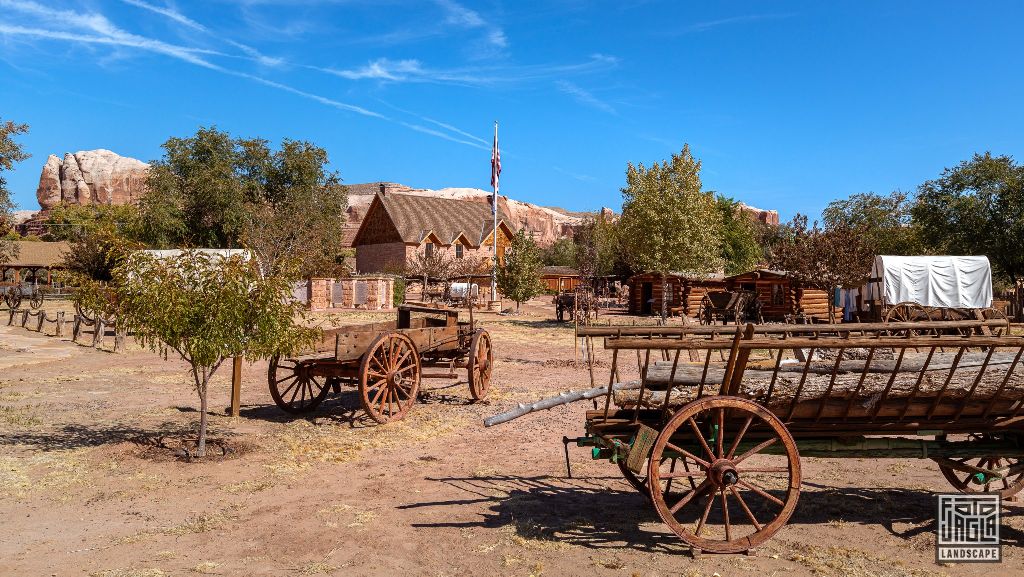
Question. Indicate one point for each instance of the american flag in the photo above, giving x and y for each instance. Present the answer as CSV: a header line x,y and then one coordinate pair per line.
x,y
495,170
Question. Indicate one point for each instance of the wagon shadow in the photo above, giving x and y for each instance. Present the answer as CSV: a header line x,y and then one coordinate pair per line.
x,y
588,512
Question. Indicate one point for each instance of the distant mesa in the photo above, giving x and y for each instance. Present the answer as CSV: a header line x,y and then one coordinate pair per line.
x,y
91,177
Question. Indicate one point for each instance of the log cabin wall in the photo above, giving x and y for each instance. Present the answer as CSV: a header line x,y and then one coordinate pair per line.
x,y
694,292
639,292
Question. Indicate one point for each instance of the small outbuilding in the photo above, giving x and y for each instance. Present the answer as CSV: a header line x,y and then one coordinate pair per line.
x,y
35,263
557,279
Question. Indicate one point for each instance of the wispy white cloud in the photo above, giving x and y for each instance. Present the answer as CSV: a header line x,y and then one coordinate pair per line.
x,y
106,33
577,176
584,96
179,18
459,15
453,129
709,24
169,13
383,69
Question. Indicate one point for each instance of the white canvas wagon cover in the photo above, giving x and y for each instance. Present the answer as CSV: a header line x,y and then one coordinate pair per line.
x,y
934,281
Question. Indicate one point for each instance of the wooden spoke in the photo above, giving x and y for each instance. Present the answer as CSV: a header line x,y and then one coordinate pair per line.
x,y
743,505
760,492
704,516
700,490
725,515
686,453
700,437
719,434
764,470
964,481
757,449
739,436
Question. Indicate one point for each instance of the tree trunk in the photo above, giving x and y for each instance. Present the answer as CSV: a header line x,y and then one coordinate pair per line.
x,y
201,448
664,298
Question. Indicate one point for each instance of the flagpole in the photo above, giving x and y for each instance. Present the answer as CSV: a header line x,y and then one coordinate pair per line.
x,y
494,212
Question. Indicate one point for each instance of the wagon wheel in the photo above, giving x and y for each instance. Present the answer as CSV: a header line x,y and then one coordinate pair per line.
x,y
13,297
994,314
389,377
907,312
743,495
704,312
957,314
967,482
480,364
36,301
294,387
559,312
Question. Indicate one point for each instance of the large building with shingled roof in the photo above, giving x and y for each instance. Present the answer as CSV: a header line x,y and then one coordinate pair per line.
x,y
398,226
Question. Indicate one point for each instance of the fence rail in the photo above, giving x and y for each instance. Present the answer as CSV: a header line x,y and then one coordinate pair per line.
x,y
40,319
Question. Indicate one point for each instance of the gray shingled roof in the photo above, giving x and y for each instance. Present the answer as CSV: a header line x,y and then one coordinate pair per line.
x,y
417,216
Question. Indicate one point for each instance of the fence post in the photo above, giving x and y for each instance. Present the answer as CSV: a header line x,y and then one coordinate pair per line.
x,y
60,324
10,317
76,328
42,319
24,317
236,386
97,332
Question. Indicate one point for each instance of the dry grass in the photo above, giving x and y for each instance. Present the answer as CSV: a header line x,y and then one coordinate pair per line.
x,y
56,471
206,568
251,486
200,523
128,573
844,562
317,568
300,444
22,416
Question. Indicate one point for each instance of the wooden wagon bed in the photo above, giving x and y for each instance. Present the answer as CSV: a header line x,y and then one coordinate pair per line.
x,y
713,429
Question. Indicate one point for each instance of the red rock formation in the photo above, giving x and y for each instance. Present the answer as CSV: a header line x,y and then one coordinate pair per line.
x,y
91,177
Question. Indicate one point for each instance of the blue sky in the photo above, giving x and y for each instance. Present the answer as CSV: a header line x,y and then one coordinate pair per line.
x,y
789,104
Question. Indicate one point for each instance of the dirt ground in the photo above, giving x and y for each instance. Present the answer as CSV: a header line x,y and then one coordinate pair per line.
x,y
87,489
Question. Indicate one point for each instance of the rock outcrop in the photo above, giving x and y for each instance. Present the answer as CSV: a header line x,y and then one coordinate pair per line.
x,y
91,177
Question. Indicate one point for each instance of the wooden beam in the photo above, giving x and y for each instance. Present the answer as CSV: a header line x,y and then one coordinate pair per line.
x,y
236,386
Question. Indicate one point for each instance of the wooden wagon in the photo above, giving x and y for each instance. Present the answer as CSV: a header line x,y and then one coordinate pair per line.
x,y
728,306
713,427
386,362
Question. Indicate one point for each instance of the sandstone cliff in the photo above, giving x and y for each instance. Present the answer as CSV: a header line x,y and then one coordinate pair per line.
x,y
91,177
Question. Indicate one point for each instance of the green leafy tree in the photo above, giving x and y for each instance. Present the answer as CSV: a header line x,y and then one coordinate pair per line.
x,y
976,207
826,259
207,309
562,252
597,247
69,222
211,190
10,152
519,275
668,222
742,249
885,220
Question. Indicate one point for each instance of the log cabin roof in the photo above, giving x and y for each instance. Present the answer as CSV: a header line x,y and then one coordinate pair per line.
x,y
759,273
417,216
39,254
559,271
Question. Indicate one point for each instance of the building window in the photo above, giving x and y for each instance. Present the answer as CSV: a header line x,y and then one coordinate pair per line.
x,y
458,250
429,249
778,295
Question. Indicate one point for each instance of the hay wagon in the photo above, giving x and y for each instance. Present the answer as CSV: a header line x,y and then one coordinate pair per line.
x,y
728,306
713,428
386,362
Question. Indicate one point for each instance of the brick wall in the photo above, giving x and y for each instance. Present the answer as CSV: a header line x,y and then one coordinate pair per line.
x,y
382,257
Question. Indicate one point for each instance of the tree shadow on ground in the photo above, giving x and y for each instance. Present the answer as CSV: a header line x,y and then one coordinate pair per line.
x,y
81,436
593,513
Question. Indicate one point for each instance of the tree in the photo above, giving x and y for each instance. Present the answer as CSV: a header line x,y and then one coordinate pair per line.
x,y
597,249
976,207
519,275
211,190
562,252
207,309
885,220
827,259
742,249
668,222
10,152
69,222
